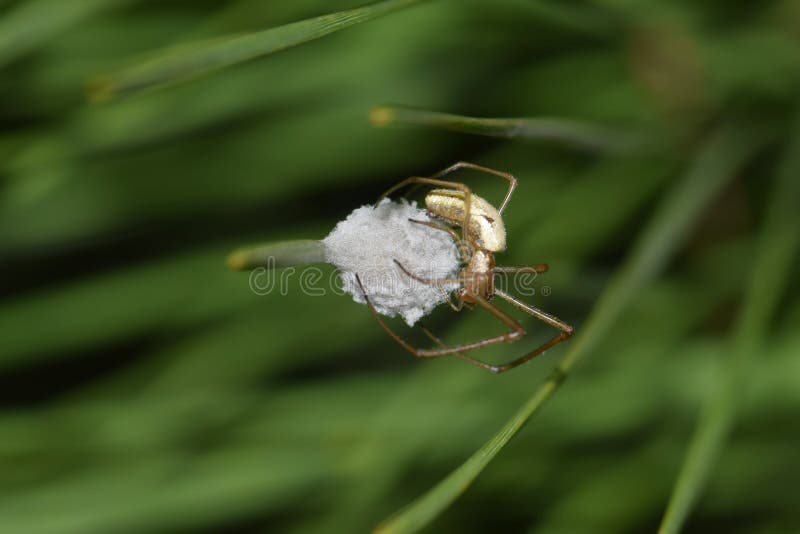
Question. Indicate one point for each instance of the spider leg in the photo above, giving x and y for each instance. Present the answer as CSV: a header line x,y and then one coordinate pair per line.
x,y
459,350
521,269
512,181
429,281
457,307
566,332
473,361
403,343
552,320
438,283
463,250
515,332
536,268
483,365
440,183
437,226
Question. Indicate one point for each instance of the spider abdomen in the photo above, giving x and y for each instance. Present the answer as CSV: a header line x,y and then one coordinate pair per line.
x,y
486,226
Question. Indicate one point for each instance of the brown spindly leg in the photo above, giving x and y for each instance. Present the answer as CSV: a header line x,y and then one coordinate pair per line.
x,y
463,249
429,281
515,333
440,183
512,182
552,320
459,304
565,334
437,226
516,329
459,350
535,268
402,342
437,282
521,269
473,361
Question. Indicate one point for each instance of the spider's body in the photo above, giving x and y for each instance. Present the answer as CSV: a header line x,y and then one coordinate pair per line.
x,y
485,229
482,234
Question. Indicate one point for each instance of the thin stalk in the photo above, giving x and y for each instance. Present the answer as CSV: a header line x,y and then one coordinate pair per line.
x,y
581,134
33,23
193,59
277,255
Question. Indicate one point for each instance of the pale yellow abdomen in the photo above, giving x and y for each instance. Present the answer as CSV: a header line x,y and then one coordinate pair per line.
x,y
486,226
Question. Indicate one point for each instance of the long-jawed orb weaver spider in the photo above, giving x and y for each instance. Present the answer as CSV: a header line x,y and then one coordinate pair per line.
x,y
482,235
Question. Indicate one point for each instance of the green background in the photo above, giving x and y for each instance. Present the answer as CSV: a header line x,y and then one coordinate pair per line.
x,y
145,388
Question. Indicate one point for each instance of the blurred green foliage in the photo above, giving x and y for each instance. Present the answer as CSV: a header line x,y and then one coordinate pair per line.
x,y
145,388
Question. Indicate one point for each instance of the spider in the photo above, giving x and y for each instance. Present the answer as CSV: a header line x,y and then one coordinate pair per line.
x,y
482,235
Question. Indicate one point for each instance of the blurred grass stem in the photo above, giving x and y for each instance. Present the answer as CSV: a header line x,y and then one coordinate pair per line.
x,y
193,59
580,134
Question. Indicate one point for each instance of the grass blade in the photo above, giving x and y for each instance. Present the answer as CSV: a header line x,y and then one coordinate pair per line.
x,y
716,163
778,246
277,255
585,135
34,22
193,59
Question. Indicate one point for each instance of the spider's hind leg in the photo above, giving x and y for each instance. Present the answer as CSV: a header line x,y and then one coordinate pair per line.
x,y
400,341
473,361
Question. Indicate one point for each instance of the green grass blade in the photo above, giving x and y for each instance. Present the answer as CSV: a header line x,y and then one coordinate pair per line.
x,y
34,22
281,254
777,249
714,166
580,134
193,59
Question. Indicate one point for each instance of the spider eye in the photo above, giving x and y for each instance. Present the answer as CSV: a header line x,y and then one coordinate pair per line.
x,y
488,219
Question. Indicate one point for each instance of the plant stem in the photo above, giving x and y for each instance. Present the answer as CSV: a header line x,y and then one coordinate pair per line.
x,y
278,255
581,134
193,59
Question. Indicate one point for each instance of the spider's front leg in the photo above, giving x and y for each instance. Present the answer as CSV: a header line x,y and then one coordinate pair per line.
x,y
454,186
464,248
512,181
566,331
